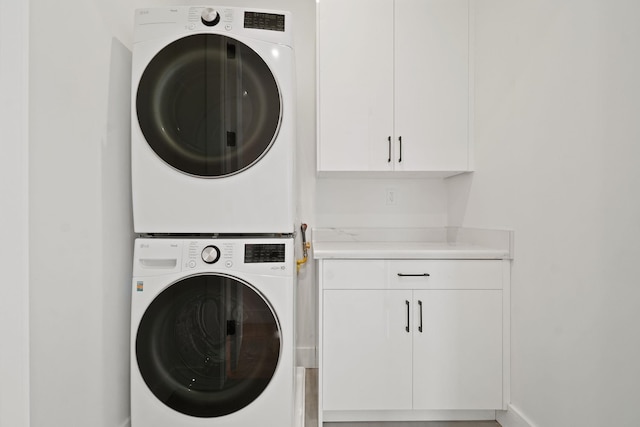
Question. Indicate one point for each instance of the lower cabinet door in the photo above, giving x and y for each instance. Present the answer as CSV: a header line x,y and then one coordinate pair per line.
x,y
457,356
366,352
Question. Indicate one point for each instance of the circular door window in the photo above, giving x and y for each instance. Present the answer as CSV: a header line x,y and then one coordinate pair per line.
x,y
208,345
208,105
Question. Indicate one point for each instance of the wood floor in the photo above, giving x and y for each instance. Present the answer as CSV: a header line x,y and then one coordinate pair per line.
x,y
311,412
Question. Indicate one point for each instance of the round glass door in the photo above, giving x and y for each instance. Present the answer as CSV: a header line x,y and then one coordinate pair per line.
x,y
208,105
208,345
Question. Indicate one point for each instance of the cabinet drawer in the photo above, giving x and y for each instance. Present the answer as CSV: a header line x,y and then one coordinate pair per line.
x,y
353,274
445,274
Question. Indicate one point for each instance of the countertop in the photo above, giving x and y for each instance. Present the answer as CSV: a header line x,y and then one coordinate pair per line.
x,y
411,243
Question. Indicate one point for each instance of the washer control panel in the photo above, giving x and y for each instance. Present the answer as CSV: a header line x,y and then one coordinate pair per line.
x,y
264,252
210,254
159,256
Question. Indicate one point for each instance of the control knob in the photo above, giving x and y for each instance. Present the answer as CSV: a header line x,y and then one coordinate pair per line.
x,y
211,254
210,17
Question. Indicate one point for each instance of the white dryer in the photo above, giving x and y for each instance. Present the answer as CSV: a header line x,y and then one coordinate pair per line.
x,y
212,121
212,337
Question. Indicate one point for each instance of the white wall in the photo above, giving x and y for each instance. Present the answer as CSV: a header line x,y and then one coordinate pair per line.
x,y
14,215
80,227
363,203
558,150
557,107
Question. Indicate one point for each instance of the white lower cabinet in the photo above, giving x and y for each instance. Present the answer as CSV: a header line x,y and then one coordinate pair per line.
x,y
366,351
415,335
457,356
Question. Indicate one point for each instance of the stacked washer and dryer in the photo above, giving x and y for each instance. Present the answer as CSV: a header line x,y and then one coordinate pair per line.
x,y
212,315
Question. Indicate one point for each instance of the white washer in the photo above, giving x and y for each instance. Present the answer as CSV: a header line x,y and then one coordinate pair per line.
x,y
212,121
212,332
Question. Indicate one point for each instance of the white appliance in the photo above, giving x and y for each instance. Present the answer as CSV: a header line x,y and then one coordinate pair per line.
x,y
212,333
212,121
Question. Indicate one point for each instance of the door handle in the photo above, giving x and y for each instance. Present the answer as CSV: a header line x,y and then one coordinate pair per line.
x,y
400,143
413,275
420,307
408,314
389,141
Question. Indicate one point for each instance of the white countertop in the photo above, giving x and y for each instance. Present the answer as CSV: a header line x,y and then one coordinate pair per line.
x,y
406,243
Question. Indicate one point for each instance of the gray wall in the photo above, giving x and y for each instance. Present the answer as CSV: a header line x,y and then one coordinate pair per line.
x,y
14,211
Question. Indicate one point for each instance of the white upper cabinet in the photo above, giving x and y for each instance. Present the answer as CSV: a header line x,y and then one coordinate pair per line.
x,y
393,86
432,85
355,78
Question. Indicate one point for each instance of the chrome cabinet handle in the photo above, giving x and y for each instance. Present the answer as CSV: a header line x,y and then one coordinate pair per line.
x,y
389,141
420,326
414,275
408,313
400,142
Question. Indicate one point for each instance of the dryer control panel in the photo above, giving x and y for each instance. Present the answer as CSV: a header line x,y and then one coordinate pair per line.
x,y
272,26
264,21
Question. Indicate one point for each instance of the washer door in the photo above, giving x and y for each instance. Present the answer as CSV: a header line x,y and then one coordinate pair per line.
x,y
208,345
208,105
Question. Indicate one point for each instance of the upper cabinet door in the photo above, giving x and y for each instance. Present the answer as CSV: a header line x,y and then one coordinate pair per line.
x,y
432,85
355,77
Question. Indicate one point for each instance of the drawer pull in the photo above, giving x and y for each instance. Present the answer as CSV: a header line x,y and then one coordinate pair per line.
x,y
420,326
414,275
408,313
389,141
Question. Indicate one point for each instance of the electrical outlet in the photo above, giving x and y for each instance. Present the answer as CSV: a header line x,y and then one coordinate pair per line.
x,y
391,197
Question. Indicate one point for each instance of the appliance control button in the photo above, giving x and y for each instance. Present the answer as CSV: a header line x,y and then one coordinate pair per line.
x,y
209,17
228,264
211,254
192,264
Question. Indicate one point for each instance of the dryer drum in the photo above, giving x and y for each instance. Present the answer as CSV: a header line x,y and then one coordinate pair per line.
x,y
208,345
208,105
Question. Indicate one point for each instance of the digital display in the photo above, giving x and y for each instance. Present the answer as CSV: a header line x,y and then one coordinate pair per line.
x,y
263,252
264,21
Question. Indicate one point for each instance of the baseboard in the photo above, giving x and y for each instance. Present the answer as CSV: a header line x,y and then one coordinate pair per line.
x,y
306,357
299,406
409,415
512,417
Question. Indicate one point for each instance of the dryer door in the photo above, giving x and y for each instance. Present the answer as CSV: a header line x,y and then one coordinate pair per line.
x,y
208,345
208,105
